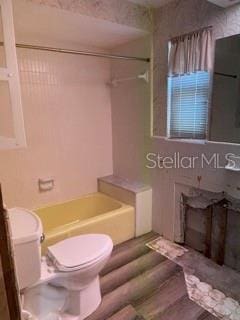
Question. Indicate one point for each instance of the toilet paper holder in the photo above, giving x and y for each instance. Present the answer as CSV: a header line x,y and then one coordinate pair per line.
x,y
45,184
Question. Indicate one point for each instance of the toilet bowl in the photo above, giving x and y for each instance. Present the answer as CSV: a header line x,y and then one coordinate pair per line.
x,y
73,264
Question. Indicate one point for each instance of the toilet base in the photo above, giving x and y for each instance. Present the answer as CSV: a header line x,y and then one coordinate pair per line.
x,y
48,302
80,304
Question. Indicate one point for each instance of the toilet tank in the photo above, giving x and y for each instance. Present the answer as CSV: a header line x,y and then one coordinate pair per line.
x,y
26,233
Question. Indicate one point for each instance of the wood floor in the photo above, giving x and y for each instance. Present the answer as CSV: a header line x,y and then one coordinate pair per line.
x,y
139,284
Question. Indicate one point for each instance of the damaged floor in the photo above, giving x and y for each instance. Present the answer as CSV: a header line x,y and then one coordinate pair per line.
x,y
140,284
214,287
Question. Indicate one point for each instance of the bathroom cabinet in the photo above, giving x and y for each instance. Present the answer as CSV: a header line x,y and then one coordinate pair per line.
x,y
12,133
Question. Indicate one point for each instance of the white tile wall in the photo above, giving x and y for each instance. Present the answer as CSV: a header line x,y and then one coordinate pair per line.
x,y
67,113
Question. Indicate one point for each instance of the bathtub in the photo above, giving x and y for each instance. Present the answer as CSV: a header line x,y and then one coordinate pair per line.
x,y
94,213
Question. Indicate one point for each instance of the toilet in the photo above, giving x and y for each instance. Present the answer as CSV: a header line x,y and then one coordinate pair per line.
x,y
72,265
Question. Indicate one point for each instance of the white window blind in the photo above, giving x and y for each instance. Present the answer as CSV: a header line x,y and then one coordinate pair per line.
x,y
188,103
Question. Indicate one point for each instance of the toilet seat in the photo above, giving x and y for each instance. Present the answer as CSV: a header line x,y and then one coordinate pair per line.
x,y
79,252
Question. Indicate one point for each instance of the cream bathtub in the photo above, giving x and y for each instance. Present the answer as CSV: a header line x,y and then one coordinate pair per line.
x,y
94,213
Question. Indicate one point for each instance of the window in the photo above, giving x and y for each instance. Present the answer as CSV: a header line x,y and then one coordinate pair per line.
x,y
188,104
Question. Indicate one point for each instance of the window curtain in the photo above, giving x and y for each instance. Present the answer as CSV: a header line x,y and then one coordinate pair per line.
x,y
190,53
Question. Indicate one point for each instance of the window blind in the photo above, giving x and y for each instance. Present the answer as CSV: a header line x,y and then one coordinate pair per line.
x,y
188,103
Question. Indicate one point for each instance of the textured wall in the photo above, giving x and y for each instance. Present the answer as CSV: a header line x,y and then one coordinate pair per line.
x,y
118,11
179,17
131,119
175,19
67,113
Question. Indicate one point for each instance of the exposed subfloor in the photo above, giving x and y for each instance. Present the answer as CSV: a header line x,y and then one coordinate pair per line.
x,y
213,287
140,284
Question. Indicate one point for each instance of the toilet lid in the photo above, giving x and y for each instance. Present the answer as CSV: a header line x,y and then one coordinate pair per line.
x,y
78,251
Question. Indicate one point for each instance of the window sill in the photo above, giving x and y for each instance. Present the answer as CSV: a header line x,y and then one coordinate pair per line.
x,y
191,141
194,141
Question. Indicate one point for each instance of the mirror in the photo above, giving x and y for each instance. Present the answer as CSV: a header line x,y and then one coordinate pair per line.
x,y
225,112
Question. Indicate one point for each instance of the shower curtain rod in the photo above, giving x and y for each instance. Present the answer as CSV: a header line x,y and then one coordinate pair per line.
x,y
226,75
78,52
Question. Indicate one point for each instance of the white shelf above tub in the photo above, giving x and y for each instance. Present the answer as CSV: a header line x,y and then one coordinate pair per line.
x,y
227,167
233,163
129,185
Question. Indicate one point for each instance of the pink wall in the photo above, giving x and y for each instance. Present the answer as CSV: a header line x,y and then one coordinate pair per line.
x,y
130,112
67,112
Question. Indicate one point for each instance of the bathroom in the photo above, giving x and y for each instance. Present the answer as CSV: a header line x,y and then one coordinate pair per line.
x,y
83,91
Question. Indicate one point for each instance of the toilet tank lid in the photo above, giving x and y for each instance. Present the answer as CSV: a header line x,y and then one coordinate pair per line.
x,y
25,225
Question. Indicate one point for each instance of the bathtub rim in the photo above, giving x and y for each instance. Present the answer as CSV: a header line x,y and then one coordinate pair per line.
x,y
88,195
